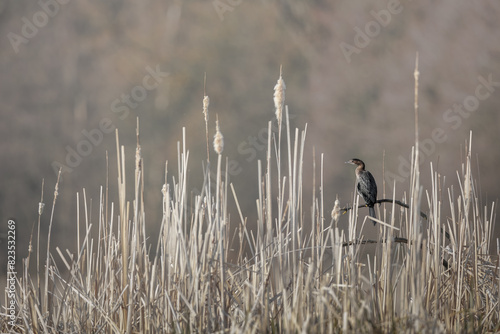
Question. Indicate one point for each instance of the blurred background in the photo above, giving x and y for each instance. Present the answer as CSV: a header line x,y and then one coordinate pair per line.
x,y
72,71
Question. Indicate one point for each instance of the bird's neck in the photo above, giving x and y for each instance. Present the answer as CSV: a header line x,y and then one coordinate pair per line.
x,y
360,169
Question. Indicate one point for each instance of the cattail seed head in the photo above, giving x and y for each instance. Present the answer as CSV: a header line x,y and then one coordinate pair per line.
x,y
336,211
218,139
206,102
467,186
138,157
279,97
40,208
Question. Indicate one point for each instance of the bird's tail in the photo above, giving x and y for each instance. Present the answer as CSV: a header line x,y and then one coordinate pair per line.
x,y
371,210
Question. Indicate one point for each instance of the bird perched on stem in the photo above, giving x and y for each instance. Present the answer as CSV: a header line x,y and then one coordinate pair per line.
x,y
366,185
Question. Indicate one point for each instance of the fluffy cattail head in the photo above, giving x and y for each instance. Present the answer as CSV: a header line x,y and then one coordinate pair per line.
x,y
336,211
41,205
138,157
206,102
218,139
279,97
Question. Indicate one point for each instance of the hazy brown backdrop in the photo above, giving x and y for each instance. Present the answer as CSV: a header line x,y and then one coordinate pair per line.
x,y
71,68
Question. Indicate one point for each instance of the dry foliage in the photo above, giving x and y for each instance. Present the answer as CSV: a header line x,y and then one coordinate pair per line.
x,y
280,278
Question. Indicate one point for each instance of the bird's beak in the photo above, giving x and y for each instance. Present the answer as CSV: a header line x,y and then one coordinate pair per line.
x,y
348,162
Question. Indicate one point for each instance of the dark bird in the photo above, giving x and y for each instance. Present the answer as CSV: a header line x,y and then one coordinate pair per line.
x,y
366,185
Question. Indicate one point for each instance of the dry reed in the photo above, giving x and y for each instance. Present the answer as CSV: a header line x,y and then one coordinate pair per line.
x,y
291,273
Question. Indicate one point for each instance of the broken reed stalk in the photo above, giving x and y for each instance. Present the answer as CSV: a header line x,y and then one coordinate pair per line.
x,y
388,200
379,201
395,239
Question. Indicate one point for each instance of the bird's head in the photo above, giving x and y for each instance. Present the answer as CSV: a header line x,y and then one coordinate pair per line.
x,y
355,162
